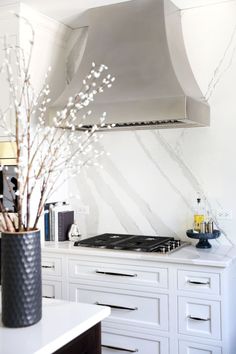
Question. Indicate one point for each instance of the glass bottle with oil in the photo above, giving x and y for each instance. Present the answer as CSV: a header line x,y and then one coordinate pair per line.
x,y
199,216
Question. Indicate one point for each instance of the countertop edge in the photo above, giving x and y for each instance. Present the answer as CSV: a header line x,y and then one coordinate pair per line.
x,y
224,256
68,336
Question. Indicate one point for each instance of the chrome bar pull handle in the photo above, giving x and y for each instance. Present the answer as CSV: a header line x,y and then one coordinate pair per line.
x,y
198,318
48,297
120,349
198,282
117,307
116,274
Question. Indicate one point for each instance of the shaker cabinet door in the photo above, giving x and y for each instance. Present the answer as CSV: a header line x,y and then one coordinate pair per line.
x,y
200,282
186,347
199,317
51,266
51,289
136,310
119,275
119,344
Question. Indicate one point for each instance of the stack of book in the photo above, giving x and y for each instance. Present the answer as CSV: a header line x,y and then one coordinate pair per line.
x,y
58,218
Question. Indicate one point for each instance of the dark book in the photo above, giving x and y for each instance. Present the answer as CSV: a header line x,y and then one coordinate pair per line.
x,y
47,234
65,220
50,219
46,225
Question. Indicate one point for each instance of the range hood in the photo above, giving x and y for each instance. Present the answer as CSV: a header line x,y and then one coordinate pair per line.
x,y
141,42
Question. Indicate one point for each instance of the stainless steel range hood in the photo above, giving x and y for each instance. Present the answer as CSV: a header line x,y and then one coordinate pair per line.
x,y
141,42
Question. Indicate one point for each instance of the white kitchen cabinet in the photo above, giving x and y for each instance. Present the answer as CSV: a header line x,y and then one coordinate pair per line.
x,y
121,344
52,289
197,348
182,303
199,317
54,276
51,266
131,309
199,282
126,274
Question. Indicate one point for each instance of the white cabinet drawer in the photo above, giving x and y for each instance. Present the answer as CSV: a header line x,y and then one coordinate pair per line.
x,y
117,344
199,317
135,310
51,266
119,273
197,348
52,289
208,283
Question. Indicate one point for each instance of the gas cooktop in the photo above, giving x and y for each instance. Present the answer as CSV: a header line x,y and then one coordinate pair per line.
x,y
136,243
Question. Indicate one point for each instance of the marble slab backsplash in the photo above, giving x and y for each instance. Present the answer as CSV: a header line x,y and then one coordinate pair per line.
x,y
150,180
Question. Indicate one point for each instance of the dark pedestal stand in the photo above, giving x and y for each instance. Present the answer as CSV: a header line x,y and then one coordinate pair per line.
x,y
203,237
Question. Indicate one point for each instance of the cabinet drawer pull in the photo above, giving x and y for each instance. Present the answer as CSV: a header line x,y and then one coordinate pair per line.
x,y
198,282
117,307
121,349
198,318
117,274
49,297
46,266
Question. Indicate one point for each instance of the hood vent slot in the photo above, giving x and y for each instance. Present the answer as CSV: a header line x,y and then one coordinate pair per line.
x,y
135,125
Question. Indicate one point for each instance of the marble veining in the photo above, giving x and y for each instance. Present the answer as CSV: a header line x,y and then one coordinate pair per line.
x,y
128,222
164,174
192,179
224,64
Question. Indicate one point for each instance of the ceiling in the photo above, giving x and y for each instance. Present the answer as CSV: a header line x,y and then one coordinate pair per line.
x,y
68,12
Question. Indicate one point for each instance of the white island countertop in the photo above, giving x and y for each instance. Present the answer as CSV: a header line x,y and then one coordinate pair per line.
x,y
62,321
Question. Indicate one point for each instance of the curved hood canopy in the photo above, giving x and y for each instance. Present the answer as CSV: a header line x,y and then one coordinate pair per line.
x,y
141,42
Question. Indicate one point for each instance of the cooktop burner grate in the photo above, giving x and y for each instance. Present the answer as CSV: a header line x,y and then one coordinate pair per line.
x,y
140,243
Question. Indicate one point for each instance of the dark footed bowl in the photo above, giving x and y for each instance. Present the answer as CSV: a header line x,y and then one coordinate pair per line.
x,y
203,237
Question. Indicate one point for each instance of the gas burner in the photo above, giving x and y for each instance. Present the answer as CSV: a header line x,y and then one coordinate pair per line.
x,y
157,244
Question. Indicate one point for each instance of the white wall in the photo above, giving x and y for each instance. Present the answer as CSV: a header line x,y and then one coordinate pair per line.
x,y
49,48
150,181
50,38
9,34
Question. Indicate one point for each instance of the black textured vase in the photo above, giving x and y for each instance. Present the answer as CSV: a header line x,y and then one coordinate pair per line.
x,y
21,279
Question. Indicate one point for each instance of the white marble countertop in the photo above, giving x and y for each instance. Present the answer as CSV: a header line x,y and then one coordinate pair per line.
x,y
62,321
217,256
